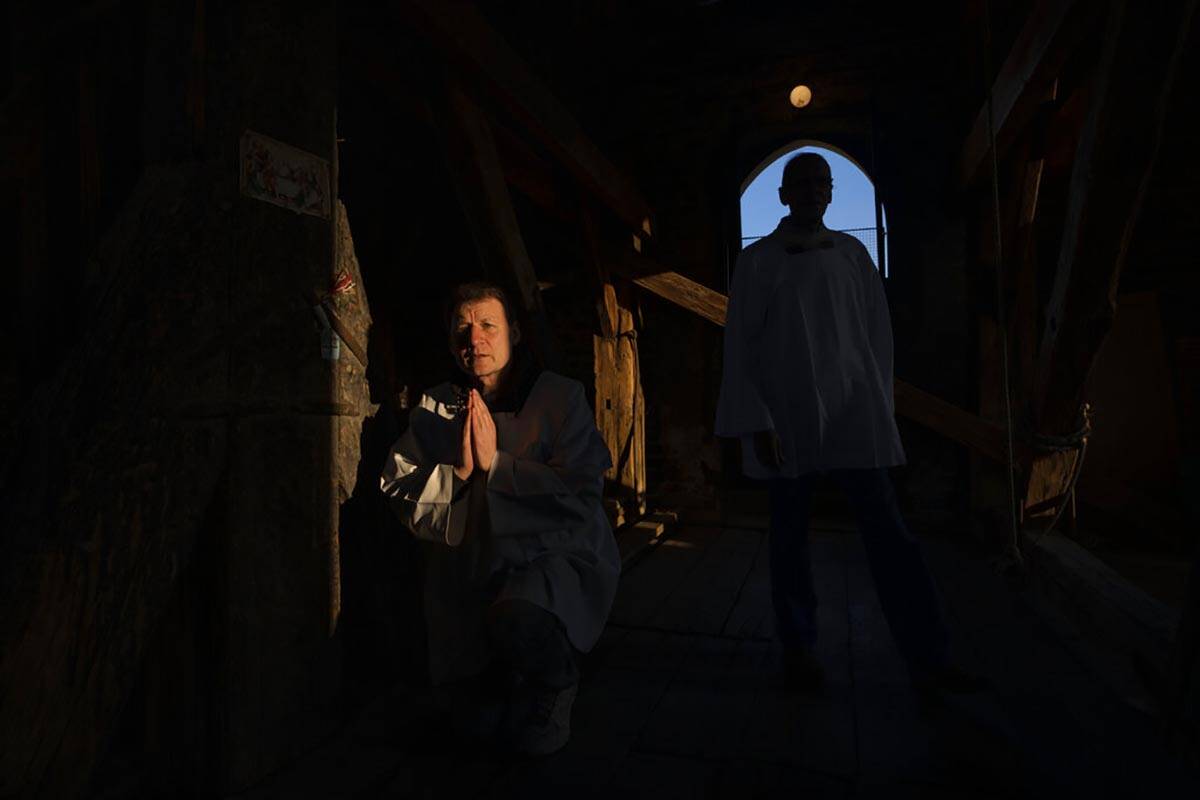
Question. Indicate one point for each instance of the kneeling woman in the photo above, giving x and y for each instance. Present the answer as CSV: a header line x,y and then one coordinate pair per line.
x,y
503,470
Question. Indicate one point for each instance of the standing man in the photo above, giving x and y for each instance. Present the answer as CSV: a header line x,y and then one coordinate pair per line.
x,y
807,388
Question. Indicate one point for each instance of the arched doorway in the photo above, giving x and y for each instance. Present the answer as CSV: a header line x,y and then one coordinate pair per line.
x,y
852,211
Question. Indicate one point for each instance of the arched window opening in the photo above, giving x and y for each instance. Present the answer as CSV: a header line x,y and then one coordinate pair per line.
x,y
852,210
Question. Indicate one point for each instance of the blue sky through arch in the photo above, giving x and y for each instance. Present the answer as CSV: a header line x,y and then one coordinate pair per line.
x,y
853,205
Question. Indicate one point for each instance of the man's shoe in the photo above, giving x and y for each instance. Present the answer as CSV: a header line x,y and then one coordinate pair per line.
x,y
948,679
802,672
543,719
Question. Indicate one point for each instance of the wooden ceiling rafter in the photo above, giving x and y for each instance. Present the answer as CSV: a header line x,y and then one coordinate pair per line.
x,y
1047,39
470,44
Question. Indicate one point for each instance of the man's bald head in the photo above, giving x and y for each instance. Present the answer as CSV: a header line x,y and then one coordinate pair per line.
x,y
807,187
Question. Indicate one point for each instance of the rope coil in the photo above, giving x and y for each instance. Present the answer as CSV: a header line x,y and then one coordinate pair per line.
x,y
1046,443
1065,444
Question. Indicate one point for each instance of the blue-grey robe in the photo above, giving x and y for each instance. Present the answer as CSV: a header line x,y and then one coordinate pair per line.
x,y
534,529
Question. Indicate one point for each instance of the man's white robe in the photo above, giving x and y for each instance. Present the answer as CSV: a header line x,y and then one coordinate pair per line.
x,y
808,354
545,539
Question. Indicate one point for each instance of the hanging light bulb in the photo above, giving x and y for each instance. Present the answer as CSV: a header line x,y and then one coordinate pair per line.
x,y
801,96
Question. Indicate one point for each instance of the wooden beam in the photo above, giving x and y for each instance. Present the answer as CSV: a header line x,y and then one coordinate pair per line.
x,y
471,44
685,292
534,177
1114,161
1013,276
479,182
915,404
1045,477
1006,270
1024,317
1032,62
525,170
977,434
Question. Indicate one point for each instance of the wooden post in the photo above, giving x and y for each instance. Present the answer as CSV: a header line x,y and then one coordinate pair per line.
x,y
1024,319
631,459
1046,476
1116,156
620,405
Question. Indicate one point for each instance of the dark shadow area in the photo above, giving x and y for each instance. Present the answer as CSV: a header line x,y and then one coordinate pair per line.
x,y
203,591
683,697
382,627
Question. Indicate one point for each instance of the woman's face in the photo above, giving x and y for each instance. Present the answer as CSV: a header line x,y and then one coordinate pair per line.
x,y
481,339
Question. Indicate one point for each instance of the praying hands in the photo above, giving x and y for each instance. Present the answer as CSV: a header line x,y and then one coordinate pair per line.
x,y
478,445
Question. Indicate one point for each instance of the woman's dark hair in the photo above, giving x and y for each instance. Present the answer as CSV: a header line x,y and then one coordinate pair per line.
x,y
473,292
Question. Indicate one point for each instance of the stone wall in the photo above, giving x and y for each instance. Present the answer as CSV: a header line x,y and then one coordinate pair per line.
x,y
171,579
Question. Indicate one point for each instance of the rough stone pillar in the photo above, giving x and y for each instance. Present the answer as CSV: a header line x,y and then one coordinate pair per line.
x,y
168,557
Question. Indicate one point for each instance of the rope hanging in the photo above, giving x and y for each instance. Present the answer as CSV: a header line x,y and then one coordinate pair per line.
x,y
1014,546
1038,442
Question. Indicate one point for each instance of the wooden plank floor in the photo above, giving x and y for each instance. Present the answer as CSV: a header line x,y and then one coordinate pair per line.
x,y
682,699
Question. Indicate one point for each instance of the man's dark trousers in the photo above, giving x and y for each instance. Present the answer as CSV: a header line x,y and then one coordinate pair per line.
x,y
910,599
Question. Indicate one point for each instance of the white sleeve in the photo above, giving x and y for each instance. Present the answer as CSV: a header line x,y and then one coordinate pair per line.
x,y
427,496
741,409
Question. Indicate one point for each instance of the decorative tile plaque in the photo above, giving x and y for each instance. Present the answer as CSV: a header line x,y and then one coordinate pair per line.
x,y
283,175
